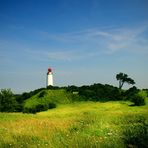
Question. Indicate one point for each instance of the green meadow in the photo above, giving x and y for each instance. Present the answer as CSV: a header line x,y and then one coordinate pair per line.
x,y
114,124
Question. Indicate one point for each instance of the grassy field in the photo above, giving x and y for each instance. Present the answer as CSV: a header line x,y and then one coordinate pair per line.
x,y
77,125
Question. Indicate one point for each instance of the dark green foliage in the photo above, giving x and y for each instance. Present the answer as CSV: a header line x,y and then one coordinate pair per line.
x,y
52,87
51,105
39,107
97,92
135,95
20,101
27,95
136,133
29,110
123,78
138,99
146,91
72,88
42,94
15,103
128,94
100,92
36,91
20,98
7,101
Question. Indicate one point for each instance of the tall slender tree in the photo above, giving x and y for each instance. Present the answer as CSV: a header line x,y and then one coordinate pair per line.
x,y
123,78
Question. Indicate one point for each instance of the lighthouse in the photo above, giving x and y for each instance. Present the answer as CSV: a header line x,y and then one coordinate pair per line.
x,y
49,77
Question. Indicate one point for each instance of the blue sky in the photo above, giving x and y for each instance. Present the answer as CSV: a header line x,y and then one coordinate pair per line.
x,y
84,41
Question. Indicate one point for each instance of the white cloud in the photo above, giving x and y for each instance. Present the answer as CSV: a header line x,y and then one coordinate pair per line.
x,y
109,40
87,44
127,39
92,43
57,55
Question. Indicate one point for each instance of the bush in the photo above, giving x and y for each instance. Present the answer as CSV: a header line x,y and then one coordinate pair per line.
x,y
51,105
138,99
42,94
128,94
39,107
72,88
29,110
7,101
27,95
136,133
52,87
99,92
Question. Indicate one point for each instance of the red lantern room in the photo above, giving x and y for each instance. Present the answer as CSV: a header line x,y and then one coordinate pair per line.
x,y
49,70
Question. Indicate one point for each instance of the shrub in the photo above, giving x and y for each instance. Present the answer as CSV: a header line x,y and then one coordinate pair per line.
x,y
128,94
146,91
7,101
72,88
29,110
138,99
42,94
100,92
27,95
52,87
51,105
136,133
39,107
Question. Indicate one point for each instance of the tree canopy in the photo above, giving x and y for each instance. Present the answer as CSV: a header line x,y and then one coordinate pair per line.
x,y
123,78
7,101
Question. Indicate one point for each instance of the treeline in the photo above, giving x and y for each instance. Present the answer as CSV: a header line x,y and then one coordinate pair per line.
x,y
100,92
96,92
10,102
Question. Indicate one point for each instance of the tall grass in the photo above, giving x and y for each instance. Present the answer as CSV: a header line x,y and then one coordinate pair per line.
x,y
77,125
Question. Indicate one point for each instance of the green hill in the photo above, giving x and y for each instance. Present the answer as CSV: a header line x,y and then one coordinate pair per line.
x,y
44,99
49,99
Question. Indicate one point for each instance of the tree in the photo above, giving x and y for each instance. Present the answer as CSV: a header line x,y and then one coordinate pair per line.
x,y
123,78
7,101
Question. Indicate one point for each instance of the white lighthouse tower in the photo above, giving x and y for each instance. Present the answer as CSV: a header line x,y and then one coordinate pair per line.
x,y
49,77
